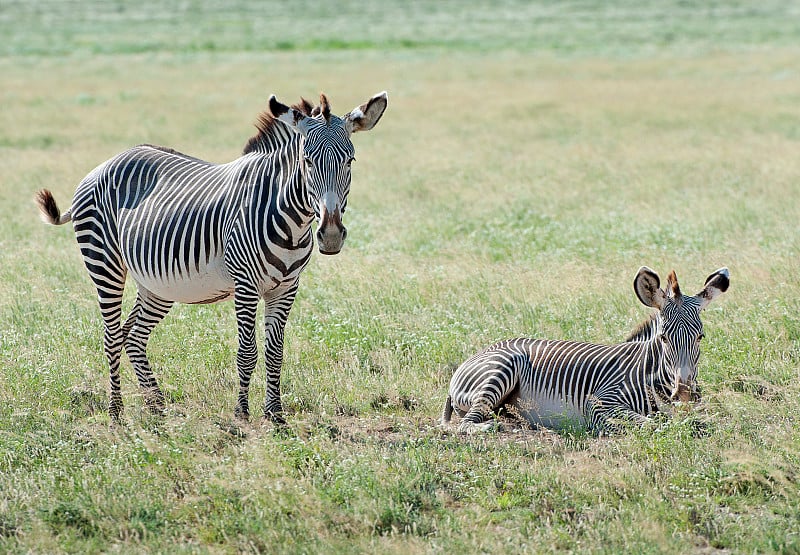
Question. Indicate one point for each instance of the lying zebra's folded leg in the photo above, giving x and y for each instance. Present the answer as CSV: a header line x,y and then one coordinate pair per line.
x,y
476,418
614,422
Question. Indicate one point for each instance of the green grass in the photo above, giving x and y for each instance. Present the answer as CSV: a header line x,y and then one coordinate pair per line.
x,y
532,157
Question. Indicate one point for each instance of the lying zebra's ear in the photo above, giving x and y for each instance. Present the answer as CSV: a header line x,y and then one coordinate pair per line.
x,y
366,116
672,285
289,116
646,284
716,284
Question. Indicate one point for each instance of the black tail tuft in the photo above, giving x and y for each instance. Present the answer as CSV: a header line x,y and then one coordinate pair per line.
x,y
48,207
447,411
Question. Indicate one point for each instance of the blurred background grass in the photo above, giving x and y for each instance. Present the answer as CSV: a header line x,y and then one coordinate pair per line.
x,y
581,27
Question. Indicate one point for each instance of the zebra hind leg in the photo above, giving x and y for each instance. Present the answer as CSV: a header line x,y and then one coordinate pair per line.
x,y
108,273
148,311
110,302
477,418
499,383
131,319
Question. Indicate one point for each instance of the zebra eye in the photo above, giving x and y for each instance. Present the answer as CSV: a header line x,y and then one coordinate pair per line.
x,y
309,163
350,161
701,336
664,339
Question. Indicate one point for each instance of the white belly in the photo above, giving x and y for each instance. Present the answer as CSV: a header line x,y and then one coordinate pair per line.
x,y
211,284
550,412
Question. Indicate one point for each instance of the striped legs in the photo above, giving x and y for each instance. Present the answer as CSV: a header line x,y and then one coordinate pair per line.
x,y
110,301
609,415
107,272
275,314
147,312
245,298
475,419
497,384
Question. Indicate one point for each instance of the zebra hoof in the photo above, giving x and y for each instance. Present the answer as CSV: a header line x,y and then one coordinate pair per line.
x,y
156,409
115,409
242,413
470,428
155,404
275,417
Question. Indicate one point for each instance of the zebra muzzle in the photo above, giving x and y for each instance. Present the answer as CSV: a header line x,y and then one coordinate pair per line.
x,y
331,232
684,393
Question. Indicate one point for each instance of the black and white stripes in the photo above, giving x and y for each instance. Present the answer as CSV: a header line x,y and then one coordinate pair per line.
x,y
558,383
191,231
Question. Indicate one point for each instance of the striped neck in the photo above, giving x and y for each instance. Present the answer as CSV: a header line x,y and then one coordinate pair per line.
x,y
655,366
652,361
294,197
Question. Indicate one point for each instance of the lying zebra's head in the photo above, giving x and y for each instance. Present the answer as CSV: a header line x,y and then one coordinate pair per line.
x,y
680,329
327,154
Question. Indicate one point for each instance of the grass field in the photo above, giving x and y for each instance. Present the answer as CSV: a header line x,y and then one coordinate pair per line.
x,y
532,157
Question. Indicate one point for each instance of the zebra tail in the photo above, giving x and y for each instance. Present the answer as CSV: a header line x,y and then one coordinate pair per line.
x,y
447,411
49,210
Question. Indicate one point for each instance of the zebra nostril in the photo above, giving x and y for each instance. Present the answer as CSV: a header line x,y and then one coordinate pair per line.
x,y
344,233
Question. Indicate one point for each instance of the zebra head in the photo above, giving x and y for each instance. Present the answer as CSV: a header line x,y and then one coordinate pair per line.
x,y
680,329
327,154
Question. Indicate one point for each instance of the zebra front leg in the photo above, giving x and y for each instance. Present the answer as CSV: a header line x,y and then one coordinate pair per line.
x,y
148,311
246,301
611,416
276,313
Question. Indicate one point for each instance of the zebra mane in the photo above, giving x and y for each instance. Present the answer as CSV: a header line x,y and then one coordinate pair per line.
x,y
169,150
271,132
645,331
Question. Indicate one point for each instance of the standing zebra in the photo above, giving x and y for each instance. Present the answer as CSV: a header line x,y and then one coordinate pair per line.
x,y
195,232
556,383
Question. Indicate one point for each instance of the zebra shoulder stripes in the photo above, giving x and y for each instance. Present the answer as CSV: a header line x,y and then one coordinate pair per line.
x,y
558,383
191,231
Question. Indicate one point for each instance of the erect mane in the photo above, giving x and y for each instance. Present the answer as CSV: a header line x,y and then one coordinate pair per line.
x,y
270,129
643,331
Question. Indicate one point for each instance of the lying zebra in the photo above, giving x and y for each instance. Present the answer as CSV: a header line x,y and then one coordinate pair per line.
x,y
558,383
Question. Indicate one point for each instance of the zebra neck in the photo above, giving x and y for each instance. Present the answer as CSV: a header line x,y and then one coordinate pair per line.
x,y
285,153
294,193
658,377
272,137
293,200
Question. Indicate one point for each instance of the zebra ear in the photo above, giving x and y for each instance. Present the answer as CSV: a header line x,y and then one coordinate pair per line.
x,y
646,284
716,284
366,116
672,285
291,117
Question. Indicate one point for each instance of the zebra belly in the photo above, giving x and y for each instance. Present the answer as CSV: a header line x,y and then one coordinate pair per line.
x,y
208,285
549,411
